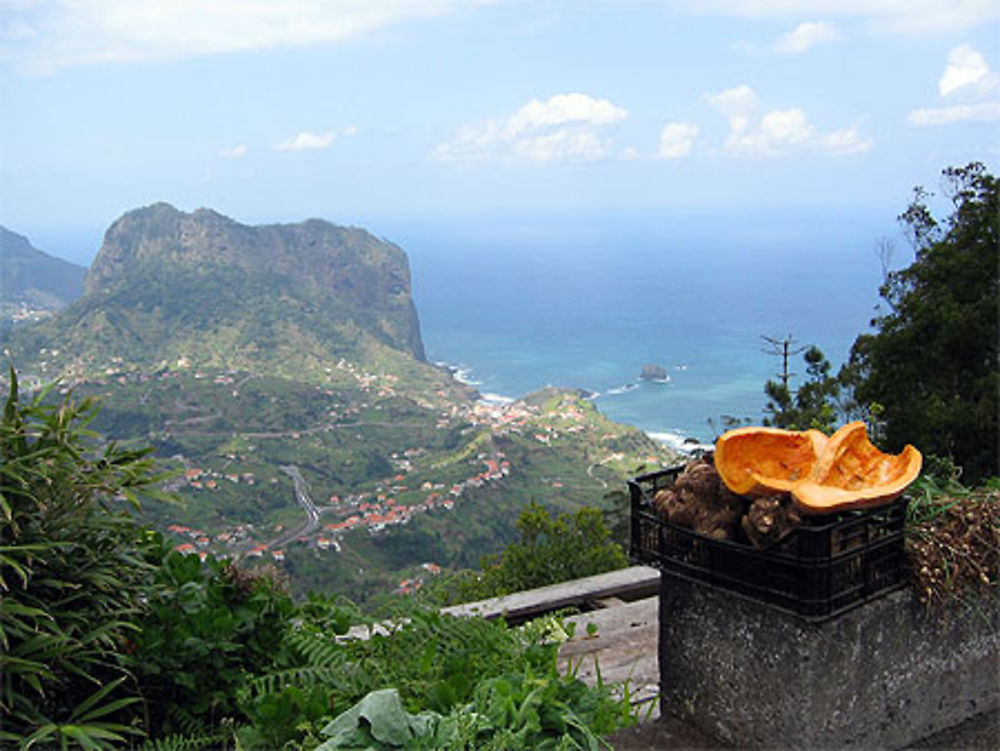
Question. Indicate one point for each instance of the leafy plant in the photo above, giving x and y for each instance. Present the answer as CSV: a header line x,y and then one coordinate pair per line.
x,y
71,572
510,712
550,549
433,663
205,629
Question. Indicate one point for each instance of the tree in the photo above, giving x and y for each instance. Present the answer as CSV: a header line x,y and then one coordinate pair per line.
x,y
812,405
550,549
929,374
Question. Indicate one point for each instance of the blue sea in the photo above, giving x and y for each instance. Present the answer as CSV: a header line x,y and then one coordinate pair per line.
x,y
519,304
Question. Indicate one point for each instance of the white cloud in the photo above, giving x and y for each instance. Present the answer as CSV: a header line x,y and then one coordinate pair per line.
x,y
894,16
848,140
778,131
560,145
74,32
979,112
967,71
305,141
967,77
677,140
738,104
234,152
566,127
786,126
805,36
45,35
565,108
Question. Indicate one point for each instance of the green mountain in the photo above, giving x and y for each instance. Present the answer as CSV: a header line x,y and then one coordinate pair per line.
x,y
198,289
29,276
280,372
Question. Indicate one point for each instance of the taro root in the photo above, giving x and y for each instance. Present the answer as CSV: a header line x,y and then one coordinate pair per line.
x,y
677,510
699,481
770,520
700,502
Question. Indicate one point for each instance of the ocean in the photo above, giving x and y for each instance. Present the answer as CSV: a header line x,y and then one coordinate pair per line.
x,y
516,305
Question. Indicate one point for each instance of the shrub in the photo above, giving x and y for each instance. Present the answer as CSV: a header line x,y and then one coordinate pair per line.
x,y
550,549
71,572
205,629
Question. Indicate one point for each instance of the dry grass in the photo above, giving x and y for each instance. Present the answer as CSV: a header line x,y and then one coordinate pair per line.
x,y
954,552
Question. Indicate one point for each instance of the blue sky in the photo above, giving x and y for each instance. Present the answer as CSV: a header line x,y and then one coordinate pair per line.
x,y
383,112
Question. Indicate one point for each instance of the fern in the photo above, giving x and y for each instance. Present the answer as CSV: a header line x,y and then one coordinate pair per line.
x,y
178,742
301,677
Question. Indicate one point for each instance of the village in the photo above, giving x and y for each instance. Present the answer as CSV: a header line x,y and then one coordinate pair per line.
x,y
387,503
392,502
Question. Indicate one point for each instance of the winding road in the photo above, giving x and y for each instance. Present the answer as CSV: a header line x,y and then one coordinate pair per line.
x,y
303,499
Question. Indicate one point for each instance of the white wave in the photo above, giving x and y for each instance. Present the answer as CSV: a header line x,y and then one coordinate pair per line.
x,y
623,389
497,399
464,375
678,442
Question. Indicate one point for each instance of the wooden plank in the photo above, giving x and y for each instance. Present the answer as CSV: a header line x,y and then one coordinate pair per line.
x,y
623,648
605,602
627,583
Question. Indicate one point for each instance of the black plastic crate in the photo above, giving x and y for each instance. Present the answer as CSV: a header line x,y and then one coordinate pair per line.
x,y
827,565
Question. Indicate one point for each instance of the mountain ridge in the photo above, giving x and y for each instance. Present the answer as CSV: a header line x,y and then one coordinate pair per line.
x,y
201,288
261,361
32,276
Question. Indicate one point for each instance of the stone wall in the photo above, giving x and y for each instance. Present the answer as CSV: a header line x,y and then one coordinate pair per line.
x,y
879,676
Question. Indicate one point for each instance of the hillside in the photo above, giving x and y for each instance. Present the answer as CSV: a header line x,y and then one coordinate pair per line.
x,y
33,278
354,486
279,372
170,287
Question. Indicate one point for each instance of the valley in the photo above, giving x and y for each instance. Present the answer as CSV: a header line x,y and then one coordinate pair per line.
x,y
278,373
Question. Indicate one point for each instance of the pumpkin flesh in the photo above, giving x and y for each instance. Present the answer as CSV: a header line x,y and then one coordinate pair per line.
x,y
758,462
823,475
853,473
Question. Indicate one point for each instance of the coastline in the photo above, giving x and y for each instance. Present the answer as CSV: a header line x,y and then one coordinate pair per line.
x,y
672,439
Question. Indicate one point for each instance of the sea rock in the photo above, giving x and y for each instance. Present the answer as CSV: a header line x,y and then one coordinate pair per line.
x,y
653,373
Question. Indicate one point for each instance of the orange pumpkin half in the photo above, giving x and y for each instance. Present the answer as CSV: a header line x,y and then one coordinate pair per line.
x,y
763,461
852,473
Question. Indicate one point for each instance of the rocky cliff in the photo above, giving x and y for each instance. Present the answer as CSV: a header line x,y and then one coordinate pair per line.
x,y
198,287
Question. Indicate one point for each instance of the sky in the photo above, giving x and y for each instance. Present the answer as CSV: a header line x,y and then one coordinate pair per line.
x,y
388,113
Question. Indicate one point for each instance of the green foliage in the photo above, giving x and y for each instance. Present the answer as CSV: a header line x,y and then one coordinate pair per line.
x,y
204,630
421,664
71,572
107,632
478,685
930,370
812,405
550,549
522,710
380,721
508,712
935,491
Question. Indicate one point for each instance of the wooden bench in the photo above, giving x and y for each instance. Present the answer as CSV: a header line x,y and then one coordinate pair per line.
x,y
590,593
